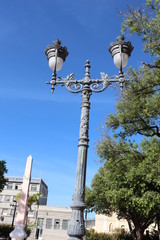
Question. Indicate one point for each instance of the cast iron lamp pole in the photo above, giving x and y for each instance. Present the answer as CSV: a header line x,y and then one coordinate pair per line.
x,y
14,212
56,54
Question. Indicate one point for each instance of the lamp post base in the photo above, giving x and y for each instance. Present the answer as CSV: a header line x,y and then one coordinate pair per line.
x,y
76,229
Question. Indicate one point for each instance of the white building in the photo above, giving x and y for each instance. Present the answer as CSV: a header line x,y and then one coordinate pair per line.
x,y
53,222
47,222
109,224
13,187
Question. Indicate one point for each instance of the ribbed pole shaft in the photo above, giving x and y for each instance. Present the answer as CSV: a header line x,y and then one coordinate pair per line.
x,y
77,227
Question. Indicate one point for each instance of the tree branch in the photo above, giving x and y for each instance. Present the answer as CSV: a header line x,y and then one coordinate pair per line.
x,y
151,65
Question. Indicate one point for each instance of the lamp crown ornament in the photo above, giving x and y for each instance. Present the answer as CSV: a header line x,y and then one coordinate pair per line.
x,y
126,46
56,48
57,43
120,39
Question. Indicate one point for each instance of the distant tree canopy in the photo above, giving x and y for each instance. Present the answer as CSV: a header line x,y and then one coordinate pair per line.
x,y
129,181
3,170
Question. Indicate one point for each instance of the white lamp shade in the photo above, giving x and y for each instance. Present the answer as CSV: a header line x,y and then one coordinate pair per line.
x,y
120,59
52,62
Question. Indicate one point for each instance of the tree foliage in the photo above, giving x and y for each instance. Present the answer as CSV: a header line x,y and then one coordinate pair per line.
x,y
138,109
91,234
32,199
129,182
3,170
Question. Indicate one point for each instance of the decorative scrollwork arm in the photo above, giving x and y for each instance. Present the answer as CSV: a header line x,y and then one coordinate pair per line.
x,y
73,86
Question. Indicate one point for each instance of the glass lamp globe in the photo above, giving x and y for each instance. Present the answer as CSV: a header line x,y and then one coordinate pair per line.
x,y
52,62
120,52
120,60
56,55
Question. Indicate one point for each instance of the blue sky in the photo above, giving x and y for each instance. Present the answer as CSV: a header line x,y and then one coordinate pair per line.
x,y
33,121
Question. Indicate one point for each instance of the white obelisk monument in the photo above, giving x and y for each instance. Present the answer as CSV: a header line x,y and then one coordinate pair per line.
x,y
18,233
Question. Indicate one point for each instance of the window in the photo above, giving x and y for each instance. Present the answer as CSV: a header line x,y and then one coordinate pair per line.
x,y
43,191
5,211
9,185
49,223
30,213
110,227
1,198
7,198
65,224
33,188
40,223
12,212
18,186
56,223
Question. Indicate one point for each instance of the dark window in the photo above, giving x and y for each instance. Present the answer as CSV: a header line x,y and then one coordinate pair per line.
x,y
56,223
18,185
30,213
65,224
9,185
40,223
33,187
7,198
5,211
12,212
110,227
49,223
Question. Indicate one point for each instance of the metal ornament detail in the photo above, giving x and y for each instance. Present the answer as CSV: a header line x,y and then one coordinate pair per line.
x,y
76,86
51,51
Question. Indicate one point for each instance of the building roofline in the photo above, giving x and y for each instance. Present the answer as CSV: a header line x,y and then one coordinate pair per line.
x,y
20,179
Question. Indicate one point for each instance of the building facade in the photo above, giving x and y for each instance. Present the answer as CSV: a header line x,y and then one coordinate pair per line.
x,y
13,187
52,222
46,222
109,224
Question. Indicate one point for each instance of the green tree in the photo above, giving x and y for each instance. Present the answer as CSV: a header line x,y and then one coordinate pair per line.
x,y
138,110
128,183
3,170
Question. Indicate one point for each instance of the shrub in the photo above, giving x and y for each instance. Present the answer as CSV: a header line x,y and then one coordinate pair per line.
x,y
5,230
93,235
117,235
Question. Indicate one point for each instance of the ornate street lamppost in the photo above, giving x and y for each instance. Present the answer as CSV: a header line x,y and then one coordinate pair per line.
x,y
56,55
14,205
